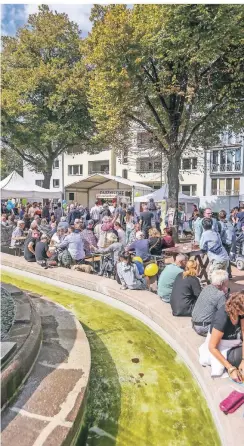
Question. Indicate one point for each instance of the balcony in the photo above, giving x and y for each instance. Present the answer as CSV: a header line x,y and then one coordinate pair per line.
x,y
101,167
148,169
225,192
226,168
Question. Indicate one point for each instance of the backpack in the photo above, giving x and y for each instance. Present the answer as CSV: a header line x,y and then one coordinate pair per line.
x,y
65,259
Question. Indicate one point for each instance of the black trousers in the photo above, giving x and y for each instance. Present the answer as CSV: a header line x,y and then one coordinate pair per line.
x,y
234,356
228,248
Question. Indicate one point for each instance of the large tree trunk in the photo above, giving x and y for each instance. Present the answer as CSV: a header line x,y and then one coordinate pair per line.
x,y
47,179
173,184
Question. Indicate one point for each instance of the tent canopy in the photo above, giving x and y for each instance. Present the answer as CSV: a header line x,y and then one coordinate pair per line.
x,y
14,186
162,194
98,179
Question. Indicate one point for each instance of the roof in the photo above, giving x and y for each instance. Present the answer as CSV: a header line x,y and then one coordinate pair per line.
x,y
15,186
162,194
98,179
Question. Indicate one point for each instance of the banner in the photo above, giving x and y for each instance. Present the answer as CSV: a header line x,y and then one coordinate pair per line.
x,y
163,214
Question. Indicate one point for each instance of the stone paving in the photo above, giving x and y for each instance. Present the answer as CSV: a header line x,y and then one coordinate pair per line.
x,y
48,406
178,330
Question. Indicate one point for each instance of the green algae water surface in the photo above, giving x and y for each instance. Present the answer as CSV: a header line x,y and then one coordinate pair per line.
x,y
141,393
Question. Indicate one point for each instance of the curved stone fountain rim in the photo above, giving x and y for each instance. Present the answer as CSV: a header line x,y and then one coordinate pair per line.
x,y
138,314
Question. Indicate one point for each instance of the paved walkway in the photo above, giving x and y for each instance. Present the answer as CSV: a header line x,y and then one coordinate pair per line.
x,y
180,336
49,408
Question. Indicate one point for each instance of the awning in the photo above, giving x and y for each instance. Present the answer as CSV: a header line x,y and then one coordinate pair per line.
x,y
162,194
97,179
14,186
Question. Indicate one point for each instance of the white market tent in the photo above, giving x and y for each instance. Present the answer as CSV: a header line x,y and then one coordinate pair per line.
x,y
14,186
88,189
162,194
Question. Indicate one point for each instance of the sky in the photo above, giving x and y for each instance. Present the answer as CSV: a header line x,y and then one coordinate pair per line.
x,y
16,15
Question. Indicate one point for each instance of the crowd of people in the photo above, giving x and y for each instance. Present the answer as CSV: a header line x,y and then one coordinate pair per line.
x,y
127,242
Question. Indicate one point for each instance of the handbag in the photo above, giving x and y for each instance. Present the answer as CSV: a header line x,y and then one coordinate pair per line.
x,y
232,402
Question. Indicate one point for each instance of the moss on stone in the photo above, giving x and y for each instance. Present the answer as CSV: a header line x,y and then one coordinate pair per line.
x,y
141,393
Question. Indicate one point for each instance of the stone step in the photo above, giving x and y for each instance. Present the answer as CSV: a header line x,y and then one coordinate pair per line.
x,y
49,408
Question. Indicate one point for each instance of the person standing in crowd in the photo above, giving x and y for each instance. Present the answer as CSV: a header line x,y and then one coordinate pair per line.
x,y
228,236
32,210
181,220
46,211
146,217
129,225
58,213
240,216
186,289
168,276
88,237
21,212
4,221
121,233
211,298
74,244
17,232
132,238
63,223
73,215
211,243
199,227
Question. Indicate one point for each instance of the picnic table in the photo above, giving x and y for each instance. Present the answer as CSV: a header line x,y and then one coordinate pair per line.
x,y
191,251
18,248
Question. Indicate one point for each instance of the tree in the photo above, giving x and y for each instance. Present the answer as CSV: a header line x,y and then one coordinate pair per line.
x,y
10,160
175,70
44,105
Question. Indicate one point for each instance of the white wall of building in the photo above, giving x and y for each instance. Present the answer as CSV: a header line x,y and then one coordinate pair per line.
x,y
35,178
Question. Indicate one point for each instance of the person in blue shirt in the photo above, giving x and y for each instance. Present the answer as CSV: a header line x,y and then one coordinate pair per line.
x,y
212,244
198,227
228,236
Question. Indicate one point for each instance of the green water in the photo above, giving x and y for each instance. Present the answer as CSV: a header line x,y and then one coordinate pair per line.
x,y
141,393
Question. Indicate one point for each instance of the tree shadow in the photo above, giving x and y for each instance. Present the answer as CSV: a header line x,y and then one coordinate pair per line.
x,y
104,396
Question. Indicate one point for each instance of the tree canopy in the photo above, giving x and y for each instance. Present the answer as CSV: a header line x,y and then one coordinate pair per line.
x,y
175,70
44,105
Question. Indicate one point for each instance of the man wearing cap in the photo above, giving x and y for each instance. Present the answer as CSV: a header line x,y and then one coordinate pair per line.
x,y
41,250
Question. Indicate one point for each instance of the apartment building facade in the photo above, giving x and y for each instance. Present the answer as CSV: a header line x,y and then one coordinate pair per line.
x,y
138,163
225,167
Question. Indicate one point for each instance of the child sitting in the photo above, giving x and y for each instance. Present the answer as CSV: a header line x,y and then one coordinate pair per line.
x,y
129,275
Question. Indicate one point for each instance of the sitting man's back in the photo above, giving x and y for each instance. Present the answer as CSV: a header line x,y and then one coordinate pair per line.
x,y
167,277
211,298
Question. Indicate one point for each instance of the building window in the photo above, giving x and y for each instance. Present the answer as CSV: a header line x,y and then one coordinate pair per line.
x,y
75,169
39,183
55,183
189,189
125,157
189,164
125,173
56,164
71,196
226,160
143,138
225,186
145,165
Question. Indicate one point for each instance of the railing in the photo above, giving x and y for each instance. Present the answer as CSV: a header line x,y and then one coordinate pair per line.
x,y
148,169
102,171
228,167
225,192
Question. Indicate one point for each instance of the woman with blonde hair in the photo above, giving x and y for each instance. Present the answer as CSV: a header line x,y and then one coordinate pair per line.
x,y
155,242
186,290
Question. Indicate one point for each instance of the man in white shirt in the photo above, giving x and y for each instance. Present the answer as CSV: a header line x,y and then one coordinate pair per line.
x,y
95,212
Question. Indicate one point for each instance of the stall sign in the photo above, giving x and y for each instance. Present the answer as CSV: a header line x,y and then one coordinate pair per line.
x,y
112,193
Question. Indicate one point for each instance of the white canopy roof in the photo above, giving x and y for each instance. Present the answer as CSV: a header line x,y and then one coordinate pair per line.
x,y
14,186
162,194
98,179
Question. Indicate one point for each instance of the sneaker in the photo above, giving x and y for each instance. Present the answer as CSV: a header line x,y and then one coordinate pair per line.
x,y
123,287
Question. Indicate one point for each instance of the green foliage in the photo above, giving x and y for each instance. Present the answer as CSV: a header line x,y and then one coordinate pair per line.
x,y
10,161
44,105
175,70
